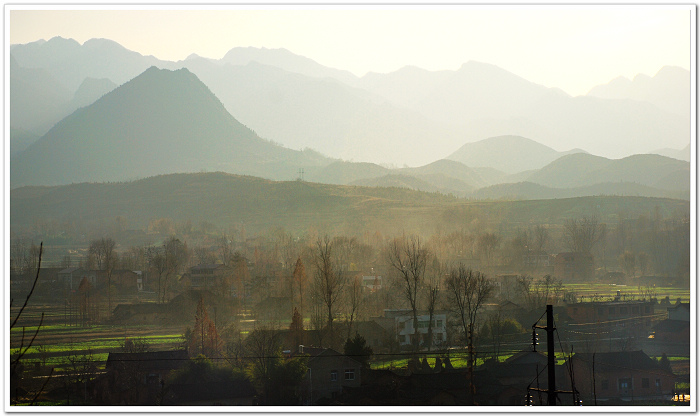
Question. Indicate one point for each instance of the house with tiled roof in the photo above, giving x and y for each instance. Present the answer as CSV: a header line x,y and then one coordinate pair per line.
x,y
329,373
618,377
137,378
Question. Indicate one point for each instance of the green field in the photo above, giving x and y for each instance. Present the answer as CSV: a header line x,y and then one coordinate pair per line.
x,y
56,343
607,291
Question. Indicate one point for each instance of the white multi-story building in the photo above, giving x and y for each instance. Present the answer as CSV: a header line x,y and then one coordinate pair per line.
x,y
404,329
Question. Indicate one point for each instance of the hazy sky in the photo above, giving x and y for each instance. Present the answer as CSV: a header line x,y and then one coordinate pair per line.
x,y
570,47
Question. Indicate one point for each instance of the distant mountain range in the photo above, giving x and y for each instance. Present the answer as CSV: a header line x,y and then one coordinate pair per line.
x,y
668,89
159,122
411,116
172,120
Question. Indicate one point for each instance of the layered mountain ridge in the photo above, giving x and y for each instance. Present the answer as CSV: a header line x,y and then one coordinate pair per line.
x,y
205,115
410,116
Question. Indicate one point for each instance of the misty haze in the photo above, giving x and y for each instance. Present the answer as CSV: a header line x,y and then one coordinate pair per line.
x,y
265,230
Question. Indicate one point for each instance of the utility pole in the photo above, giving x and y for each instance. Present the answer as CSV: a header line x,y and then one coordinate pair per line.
x,y
471,363
551,362
551,393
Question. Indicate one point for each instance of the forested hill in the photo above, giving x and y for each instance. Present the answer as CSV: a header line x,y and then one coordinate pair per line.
x,y
259,204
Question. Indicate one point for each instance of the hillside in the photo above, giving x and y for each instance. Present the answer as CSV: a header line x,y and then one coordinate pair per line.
x,y
510,154
323,114
224,199
680,154
584,170
343,173
529,190
260,204
160,122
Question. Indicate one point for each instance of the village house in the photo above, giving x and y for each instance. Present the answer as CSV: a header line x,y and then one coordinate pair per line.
x,y
376,336
329,373
400,322
372,283
124,281
679,312
209,276
72,276
618,377
137,378
633,317
674,332
535,259
423,385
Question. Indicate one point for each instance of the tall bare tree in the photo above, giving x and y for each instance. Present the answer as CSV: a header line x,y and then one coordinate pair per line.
x,y
225,249
156,266
354,302
536,293
408,256
431,288
23,256
176,257
166,262
328,280
487,244
540,239
105,255
582,234
468,290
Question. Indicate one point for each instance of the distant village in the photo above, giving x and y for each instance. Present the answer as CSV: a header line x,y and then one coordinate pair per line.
x,y
610,349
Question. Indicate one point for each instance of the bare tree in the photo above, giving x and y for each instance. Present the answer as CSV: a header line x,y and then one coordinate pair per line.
x,y
540,239
318,321
157,266
262,346
627,263
176,257
344,249
487,244
106,257
225,249
431,288
16,365
581,235
468,290
643,259
165,262
354,302
328,280
537,293
408,257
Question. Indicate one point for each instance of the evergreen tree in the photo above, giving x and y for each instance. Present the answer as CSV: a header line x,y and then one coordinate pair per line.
x,y
358,349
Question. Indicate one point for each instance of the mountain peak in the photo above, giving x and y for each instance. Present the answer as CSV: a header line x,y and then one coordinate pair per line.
x,y
59,40
161,121
509,153
99,43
